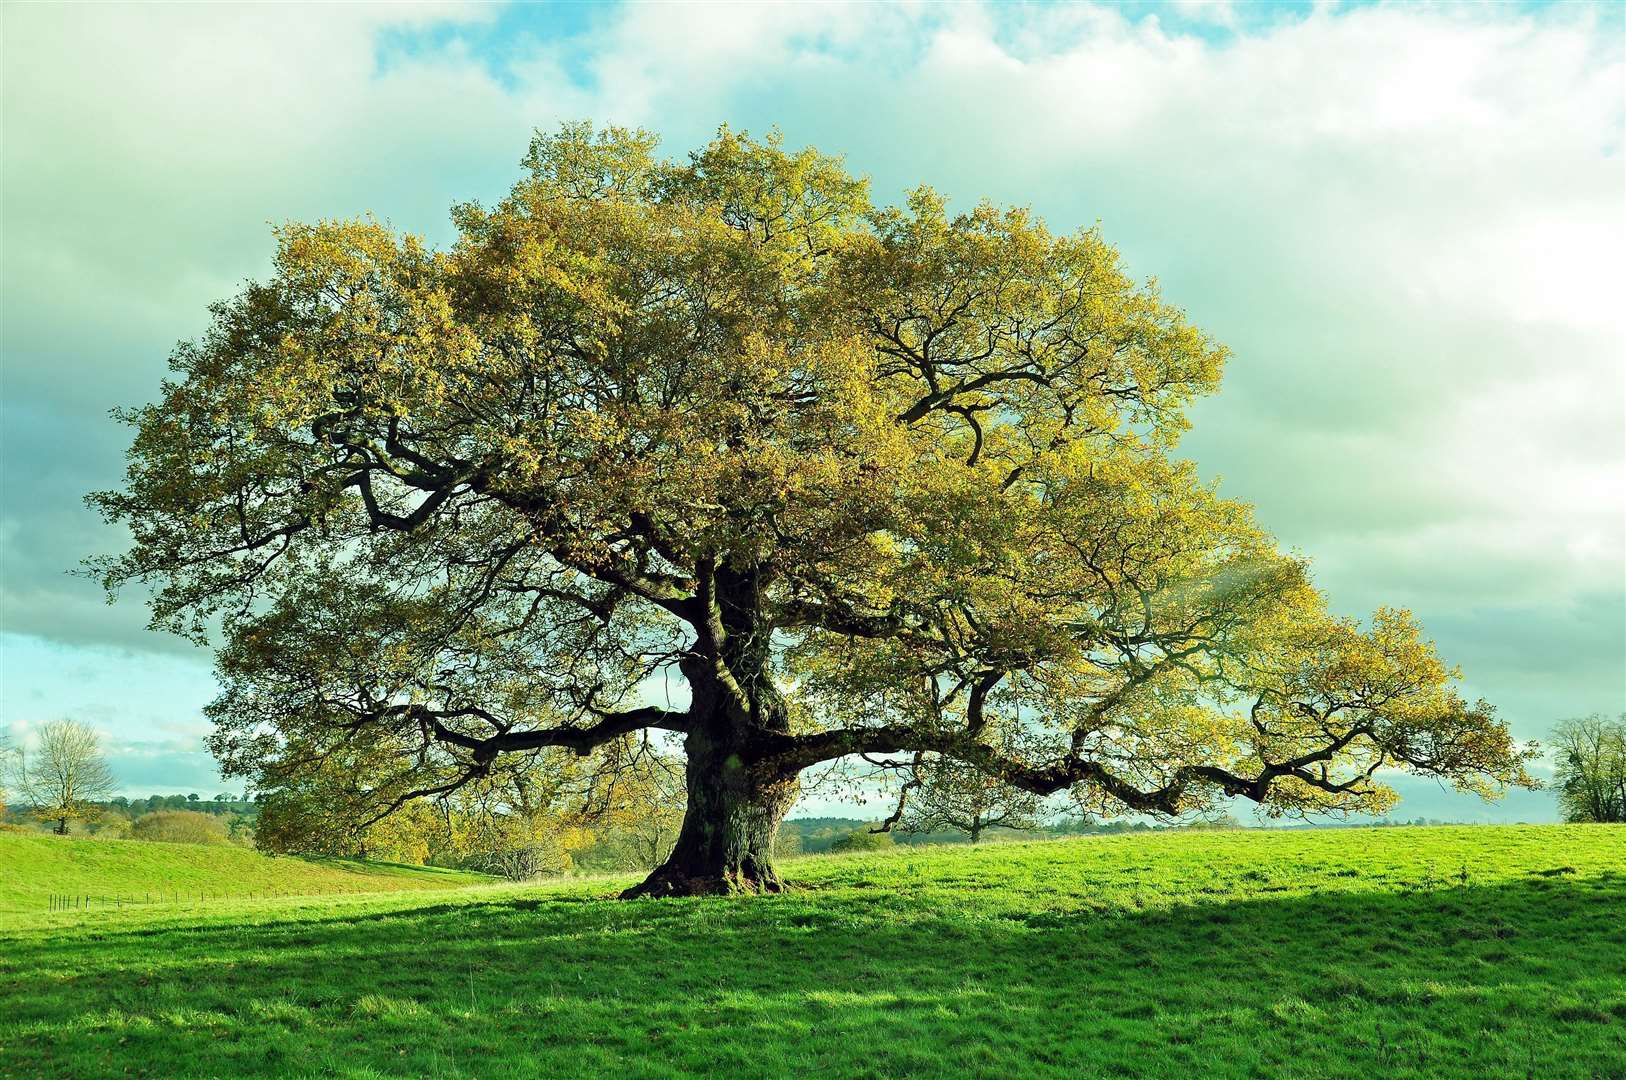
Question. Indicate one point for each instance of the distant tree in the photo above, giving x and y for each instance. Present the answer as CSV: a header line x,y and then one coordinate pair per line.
x,y
1074,824
111,825
862,840
541,819
326,815
66,777
725,420
647,811
518,845
1590,755
1216,823
179,827
942,793
787,843
240,829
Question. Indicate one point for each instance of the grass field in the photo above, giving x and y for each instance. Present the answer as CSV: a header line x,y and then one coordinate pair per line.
x,y
1452,952
34,868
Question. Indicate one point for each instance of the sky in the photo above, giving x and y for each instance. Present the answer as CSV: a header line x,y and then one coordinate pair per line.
x,y
1406,221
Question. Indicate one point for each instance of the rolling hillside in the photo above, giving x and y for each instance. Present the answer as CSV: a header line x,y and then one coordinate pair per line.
x,y
1417,952
35,867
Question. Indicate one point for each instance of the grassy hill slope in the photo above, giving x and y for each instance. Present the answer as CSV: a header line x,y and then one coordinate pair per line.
x,y
34,867
1453,952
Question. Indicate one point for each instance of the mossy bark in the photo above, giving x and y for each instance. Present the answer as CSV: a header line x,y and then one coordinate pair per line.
x,y
725,846
737,793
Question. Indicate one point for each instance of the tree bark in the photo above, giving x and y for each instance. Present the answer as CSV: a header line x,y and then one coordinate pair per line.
x,y
738,792
725,846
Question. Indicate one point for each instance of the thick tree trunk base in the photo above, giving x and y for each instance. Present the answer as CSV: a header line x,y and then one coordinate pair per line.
x,y
671,881
725,846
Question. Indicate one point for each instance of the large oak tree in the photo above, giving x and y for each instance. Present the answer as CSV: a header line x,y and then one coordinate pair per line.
x,y
822,477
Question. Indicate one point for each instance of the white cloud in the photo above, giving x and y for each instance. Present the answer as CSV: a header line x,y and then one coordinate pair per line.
x,y
1407,221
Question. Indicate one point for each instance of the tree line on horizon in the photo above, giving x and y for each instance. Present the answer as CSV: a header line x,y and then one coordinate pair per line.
x,y
515,826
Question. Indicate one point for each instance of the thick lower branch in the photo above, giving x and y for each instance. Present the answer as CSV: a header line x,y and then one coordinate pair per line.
x,y
486,750
803,751
583,740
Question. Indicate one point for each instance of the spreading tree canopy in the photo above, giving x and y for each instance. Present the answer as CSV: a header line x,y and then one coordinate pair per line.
x,y
719,447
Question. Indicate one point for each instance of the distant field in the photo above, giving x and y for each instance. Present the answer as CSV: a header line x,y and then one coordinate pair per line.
x,y
1452,952
33,868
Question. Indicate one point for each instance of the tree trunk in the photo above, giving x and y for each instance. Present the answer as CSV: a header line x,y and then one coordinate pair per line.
x,y
976,832
737,795
62,827
726,843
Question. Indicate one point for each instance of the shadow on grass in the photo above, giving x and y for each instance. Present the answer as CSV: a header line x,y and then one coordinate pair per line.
x,y
1511,979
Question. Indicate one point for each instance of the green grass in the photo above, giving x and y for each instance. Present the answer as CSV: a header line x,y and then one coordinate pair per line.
x,y
34,868
1453,952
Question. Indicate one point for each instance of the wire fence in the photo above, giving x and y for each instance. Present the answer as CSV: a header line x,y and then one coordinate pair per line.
x,y
173,898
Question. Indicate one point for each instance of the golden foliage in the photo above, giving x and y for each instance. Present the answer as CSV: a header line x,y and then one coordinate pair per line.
x,y
852,473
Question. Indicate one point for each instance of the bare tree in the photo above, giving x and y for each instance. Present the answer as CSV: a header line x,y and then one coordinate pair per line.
x,y
64,779
1591,759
